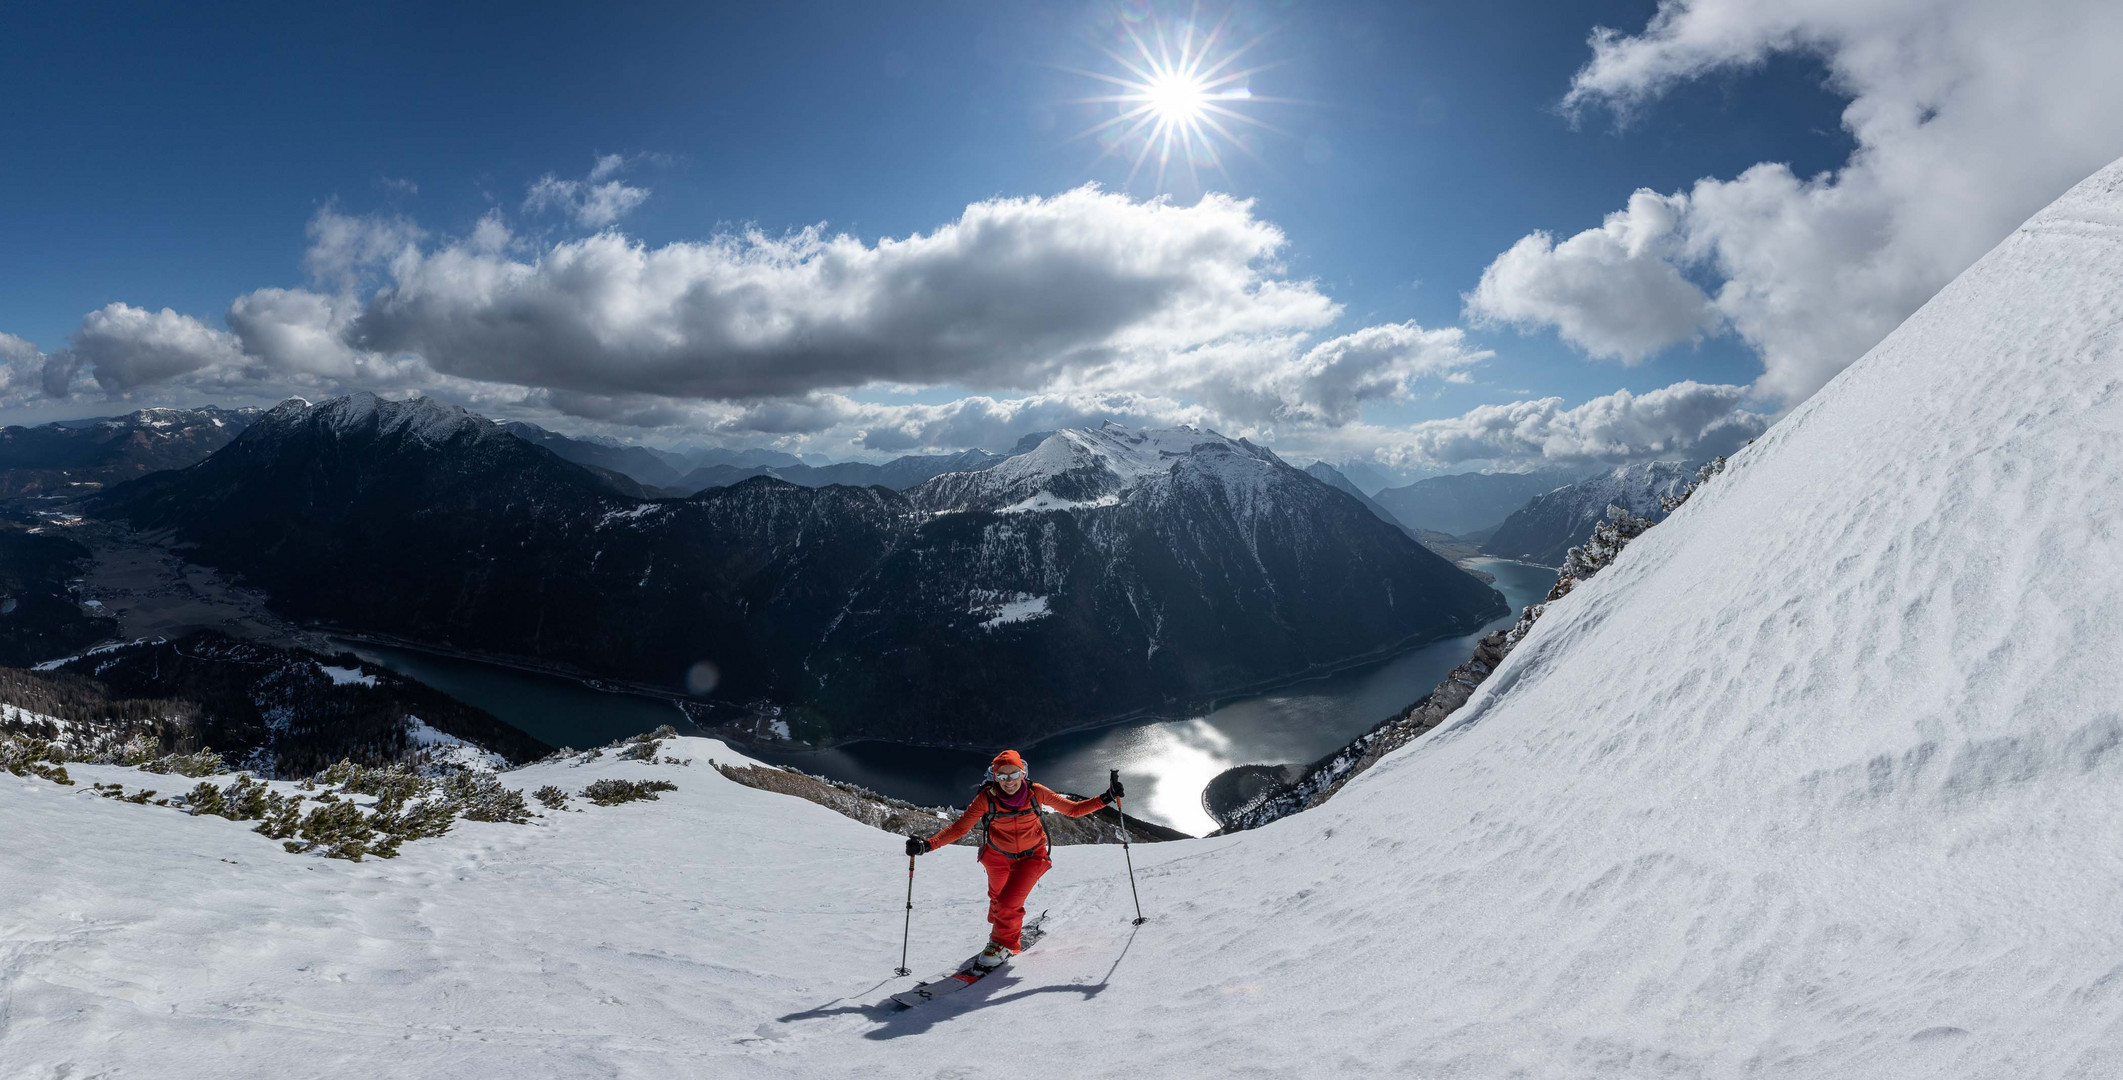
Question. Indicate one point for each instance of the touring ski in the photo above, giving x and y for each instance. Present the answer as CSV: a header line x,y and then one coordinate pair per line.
x,y
967,973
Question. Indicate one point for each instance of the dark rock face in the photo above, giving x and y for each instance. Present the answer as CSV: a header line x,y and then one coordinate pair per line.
x,y
1468,502
38,616
81,456
278,712
1553,523
1102,573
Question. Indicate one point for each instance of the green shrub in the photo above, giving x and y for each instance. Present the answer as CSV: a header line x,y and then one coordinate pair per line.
x,y
338,831
552,797
482,797
614,792
244,800
282,816
204,799
401,820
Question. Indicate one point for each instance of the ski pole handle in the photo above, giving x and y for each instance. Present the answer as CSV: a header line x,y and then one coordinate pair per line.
x,y
1114,778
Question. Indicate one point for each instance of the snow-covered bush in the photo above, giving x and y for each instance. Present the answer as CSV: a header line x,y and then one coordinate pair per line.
x,y
614,792
552,797
201,763
1670,503
26,756
138,798
645,747
1608,539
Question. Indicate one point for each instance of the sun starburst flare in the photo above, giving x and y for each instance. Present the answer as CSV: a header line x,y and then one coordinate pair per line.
x,y
1175,100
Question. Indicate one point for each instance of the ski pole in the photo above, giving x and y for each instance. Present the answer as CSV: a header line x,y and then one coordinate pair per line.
x,y
908,924
1115,779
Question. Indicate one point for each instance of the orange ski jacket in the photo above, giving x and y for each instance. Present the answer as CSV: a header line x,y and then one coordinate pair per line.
x,y
1015,834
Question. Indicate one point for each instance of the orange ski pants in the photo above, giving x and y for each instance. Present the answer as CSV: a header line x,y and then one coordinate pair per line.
x,y
1009,882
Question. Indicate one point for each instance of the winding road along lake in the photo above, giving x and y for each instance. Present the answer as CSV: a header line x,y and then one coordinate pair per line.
x,y
1166,763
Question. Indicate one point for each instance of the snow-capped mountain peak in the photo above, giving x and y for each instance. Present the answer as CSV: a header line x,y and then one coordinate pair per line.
x,y
1079,468
1554,522
421,419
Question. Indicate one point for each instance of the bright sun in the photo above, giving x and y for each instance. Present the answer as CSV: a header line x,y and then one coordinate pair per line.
x,y
1174,100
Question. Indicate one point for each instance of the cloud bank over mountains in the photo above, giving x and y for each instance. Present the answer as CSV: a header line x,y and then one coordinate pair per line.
x,y
1039,311
1968,116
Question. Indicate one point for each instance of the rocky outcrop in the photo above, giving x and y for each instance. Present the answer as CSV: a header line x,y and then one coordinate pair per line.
x,y
906,819
1554,522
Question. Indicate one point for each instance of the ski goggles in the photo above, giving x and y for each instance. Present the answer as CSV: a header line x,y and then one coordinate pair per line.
x,y
1013,774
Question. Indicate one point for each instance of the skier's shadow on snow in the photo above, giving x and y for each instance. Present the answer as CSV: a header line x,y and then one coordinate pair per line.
x,y
896,1021
899,1023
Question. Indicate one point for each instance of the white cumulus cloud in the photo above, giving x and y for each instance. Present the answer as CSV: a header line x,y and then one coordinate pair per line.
x,y
1686,419
1038,312
1081,288
129,347
595,201
1968,116
1613,291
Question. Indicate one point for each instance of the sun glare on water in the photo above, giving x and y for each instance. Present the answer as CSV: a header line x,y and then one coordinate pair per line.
x,y
1174,98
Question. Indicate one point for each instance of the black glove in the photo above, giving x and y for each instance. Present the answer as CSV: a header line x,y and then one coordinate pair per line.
x,y
1113,789
917,846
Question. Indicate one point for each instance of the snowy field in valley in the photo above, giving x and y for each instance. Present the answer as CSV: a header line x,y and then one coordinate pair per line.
x,y
1822,778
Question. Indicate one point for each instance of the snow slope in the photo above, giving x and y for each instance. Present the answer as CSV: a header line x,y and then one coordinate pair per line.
x,y
1822,778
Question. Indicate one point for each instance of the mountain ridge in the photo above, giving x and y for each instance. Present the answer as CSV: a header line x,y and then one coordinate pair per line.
x,y
802,596
1553,522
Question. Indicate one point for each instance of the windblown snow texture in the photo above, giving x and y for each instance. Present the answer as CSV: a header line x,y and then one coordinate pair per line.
x,y
1820,779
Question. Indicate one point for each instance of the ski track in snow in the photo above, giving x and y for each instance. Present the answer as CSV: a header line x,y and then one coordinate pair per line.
x,y
1820,779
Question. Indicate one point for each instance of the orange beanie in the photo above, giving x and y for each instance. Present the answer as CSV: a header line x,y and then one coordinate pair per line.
x,y
1006,761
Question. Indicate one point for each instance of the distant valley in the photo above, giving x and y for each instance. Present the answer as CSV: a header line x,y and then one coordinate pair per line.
x,y
1096,574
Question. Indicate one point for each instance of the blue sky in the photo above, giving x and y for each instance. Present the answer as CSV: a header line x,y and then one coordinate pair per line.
x,y
165,159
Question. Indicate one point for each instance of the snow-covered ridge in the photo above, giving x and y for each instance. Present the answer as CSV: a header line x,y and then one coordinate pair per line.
x,y
1552,523
421,418
1086,468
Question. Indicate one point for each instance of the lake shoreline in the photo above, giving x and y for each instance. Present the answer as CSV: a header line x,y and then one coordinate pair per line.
x,y
1169,753
740,739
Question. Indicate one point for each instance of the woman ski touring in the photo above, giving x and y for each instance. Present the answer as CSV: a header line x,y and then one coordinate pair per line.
x,y
1014,847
